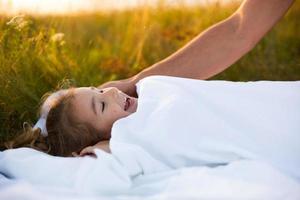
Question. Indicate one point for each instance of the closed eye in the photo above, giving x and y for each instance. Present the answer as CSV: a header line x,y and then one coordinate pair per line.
x,y
103,105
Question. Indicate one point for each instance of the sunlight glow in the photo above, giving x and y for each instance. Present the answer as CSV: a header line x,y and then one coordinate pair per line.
x,y
45,6
75,6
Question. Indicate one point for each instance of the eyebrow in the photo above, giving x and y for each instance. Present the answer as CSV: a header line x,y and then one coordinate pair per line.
x,y
93,106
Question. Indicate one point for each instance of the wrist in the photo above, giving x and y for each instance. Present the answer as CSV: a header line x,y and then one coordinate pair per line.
x,y
144,73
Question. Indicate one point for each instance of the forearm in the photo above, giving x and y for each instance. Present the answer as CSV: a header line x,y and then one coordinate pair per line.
x,y
258,17
221,45
207,54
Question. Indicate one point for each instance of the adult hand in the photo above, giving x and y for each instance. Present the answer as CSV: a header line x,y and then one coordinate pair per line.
x,y
125,85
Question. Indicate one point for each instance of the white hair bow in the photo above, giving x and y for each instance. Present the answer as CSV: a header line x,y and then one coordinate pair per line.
x,y
41,123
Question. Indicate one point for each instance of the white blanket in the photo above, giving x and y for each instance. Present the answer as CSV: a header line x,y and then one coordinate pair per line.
x,y
40,176
188,139
185,122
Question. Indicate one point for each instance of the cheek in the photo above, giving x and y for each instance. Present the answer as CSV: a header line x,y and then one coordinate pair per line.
x,y
117,112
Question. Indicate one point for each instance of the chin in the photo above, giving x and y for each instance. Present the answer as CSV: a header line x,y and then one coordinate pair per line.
x,y
128,113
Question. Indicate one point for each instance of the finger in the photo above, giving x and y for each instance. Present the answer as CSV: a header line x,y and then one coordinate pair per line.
x,y
84,151
133,93
75,154
90,154
87,150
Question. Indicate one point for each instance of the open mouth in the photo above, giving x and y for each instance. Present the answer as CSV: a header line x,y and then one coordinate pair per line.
x,y
127,103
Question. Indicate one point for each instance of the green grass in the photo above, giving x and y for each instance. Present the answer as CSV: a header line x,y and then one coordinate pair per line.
x,y
105,46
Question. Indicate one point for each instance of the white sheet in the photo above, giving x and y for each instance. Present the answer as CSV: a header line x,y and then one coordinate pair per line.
x,y
185,122
88,178
85,175
158,152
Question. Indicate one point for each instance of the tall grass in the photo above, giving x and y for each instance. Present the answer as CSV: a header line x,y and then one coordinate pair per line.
x,y
37,53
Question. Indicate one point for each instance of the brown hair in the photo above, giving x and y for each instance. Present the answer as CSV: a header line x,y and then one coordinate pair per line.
x,y
65,134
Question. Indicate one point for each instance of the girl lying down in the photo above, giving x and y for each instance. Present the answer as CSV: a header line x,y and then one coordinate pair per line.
x,y
177,119
74,118
175,122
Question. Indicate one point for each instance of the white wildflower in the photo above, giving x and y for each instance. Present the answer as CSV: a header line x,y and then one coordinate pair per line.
x,y
58,37
18,22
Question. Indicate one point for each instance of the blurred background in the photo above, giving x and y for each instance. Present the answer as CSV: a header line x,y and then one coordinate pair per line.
x,y
62,7
49,44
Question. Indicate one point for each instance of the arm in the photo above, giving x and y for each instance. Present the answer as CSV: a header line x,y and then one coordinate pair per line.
x,y
216,48
223,44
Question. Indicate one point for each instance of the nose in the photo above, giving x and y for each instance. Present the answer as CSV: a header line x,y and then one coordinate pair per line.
x,y
112,92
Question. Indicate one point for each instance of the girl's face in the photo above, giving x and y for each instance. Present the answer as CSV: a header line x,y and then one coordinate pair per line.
x,y
102,107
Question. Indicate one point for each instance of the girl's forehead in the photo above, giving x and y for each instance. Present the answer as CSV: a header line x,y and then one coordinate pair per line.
x,y
83,88
92,89
80,89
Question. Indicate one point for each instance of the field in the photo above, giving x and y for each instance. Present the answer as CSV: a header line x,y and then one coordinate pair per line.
x,y
39,53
